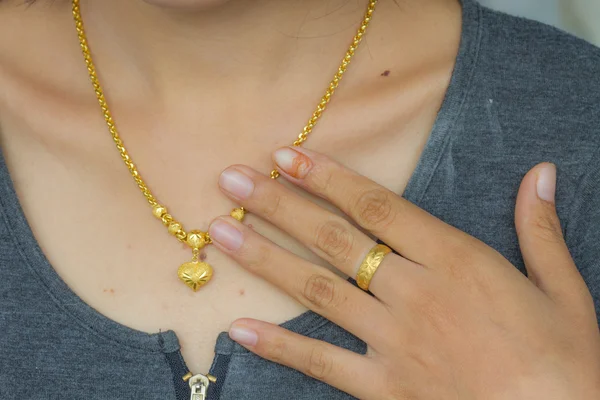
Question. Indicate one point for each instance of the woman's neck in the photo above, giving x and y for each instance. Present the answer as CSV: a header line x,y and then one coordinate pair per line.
x,y
238,56
259,41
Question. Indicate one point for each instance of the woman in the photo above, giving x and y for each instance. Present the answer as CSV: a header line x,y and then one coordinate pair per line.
x,y
447,103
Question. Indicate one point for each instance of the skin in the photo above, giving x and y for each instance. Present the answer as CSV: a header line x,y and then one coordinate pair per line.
x,y
441,311
194,84
201,75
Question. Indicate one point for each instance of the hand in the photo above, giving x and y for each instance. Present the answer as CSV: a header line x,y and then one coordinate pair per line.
x,y
450,318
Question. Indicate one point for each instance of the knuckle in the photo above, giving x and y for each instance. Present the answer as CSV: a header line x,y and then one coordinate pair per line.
x,y
433,310
256,259
460,263
547,228
320,291
459,250
373,209
482,284
319,363
272,206
395,388
276,351
462,258
335,240
319,178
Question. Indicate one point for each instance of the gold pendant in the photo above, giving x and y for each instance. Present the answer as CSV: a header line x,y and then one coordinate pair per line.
x,y
195,274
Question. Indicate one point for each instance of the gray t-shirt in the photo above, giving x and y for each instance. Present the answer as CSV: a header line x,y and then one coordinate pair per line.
x,y
521,93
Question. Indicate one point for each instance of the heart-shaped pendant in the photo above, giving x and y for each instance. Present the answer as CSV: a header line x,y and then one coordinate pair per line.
x,y
195,274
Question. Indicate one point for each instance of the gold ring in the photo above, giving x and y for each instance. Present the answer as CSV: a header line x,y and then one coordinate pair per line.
x,y
370,264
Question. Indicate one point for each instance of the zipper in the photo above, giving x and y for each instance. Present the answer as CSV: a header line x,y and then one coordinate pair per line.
x,y
199,385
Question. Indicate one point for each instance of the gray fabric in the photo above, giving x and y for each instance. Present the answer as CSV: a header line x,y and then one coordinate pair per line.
x,y
521,93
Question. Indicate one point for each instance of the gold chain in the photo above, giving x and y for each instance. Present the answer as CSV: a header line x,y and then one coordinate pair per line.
x,y
197,239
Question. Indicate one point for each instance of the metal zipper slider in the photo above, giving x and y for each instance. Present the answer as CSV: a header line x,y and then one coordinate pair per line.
x,y
199,385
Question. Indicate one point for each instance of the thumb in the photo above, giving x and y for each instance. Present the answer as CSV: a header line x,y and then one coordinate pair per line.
x,y
547,259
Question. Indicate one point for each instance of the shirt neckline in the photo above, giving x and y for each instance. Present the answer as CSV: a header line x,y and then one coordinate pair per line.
x,y
86,316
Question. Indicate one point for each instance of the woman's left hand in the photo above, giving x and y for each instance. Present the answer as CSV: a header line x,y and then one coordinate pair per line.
x,y
450,318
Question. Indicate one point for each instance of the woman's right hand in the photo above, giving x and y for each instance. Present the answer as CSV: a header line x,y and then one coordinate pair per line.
x,y
451,317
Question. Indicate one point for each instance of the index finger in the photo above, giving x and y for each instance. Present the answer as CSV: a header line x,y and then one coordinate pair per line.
x,y
410,230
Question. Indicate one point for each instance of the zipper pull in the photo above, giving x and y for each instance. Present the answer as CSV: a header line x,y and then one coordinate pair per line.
x,y
199,385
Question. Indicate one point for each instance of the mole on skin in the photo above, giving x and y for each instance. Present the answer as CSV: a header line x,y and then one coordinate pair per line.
x,y
386,73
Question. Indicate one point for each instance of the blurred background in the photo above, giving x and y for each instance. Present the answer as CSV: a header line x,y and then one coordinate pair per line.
x,y
580,17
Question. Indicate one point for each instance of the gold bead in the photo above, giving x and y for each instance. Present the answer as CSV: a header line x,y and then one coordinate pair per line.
x,y
174,227
238,213
159,211
167,219
196,239
181,236
195,273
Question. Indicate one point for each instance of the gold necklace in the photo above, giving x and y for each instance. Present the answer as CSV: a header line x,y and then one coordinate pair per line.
x,y
195,273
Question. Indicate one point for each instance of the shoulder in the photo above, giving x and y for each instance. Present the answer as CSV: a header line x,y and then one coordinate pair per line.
x,y
530,54
531,43
538,85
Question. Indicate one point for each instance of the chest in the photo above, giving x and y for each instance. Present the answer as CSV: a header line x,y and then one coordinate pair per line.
x,y
98,233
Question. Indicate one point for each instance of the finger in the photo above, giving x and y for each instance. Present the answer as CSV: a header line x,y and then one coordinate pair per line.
x,y
313,286
411,231
547,258
329,236
352,373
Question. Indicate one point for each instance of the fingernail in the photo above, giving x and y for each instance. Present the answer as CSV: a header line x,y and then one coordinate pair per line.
x,y
546,182
236,183
293,162
243,335
226,235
